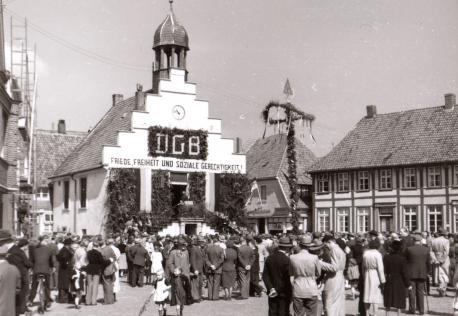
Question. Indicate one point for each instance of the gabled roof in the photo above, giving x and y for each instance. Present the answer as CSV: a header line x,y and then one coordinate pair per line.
x,y
51,150
421,136
266,158
88,154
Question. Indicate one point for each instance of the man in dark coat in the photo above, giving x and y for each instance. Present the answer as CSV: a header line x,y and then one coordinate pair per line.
x,y
255,288
197,260
214,258
139,256
18,258
418,264
65,257
42,261
246,258
276,277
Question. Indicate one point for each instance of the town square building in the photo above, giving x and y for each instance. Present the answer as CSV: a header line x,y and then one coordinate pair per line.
x,y
268,208
164,128
392,170
51,148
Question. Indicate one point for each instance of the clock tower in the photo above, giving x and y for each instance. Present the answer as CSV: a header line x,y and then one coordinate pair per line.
x,y
170,45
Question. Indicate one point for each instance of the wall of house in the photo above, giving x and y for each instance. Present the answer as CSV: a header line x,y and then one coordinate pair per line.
x,y
274,198
77,219
422,200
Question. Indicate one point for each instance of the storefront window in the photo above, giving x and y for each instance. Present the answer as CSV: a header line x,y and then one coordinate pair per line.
x,y
363,219
434,177
410,217
342,182
324,223
385,179
435,217
343,220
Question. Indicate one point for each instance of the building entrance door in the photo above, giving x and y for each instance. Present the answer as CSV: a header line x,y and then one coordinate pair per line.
x,y
261,225
386,219
386,223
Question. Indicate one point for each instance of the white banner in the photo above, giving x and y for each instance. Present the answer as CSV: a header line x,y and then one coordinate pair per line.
x,y
236,164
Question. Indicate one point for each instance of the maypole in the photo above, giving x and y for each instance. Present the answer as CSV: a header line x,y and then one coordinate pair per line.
x,y
291,116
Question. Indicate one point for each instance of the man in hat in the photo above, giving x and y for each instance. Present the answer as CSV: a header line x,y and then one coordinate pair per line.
x,y
43,262
305,269
334,281
65,257
276,277
18,258
246,258
197,260
418,264
214,258
10,277
440,259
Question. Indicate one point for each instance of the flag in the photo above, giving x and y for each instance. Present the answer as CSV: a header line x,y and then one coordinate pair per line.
x,y
287,90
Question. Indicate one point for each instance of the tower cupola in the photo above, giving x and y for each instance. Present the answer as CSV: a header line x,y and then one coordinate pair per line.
x,y
170,45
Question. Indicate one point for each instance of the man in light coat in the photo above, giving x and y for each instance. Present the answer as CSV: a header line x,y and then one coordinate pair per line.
x,y
334,281
440,259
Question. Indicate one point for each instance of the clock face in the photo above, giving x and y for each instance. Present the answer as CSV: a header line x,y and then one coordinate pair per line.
x,y
178,112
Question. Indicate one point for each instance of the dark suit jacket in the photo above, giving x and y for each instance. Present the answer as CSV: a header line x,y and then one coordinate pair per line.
x,y
214,255
418,261
196,259
18,258
276,274
246,256
139,254
42,259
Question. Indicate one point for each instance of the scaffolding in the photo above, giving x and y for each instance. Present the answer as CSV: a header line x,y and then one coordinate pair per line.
x,y
23,71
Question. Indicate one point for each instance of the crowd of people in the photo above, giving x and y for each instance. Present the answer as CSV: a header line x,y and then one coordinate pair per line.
x,y
308,273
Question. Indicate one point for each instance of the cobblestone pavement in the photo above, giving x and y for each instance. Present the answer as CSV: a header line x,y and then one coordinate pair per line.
x,y
130,301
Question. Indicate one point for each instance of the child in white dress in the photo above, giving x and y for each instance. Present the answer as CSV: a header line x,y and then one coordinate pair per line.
x,y
161,293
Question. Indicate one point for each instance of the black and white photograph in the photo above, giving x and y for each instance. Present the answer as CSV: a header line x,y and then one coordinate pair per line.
x,y
228,157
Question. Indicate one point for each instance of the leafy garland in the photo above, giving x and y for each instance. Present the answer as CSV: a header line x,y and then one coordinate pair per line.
x,y
292,114
234,191
122,198
170,132
197,183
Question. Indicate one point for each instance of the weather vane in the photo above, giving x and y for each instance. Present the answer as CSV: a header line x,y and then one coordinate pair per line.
x,y
288,91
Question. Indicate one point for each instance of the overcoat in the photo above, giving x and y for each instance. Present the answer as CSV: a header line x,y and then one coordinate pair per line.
x,y
373,276
64,257
397,281
10,280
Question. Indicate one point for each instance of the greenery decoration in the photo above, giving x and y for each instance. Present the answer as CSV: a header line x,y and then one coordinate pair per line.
x,y
291,116
122,198
234,191
197,183
170,132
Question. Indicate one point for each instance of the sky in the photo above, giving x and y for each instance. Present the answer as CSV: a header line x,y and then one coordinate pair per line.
x,y
338,55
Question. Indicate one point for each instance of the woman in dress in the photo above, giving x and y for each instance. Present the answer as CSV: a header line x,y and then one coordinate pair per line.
x,y
374,277
397,281
229,273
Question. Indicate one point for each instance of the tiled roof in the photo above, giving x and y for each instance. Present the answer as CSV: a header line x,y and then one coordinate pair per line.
x,y
88,154
51,150
266,158
420,136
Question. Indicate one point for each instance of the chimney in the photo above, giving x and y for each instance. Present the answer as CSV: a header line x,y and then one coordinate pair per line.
x,y
117,98
61,127
139,98
450,101
371,111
